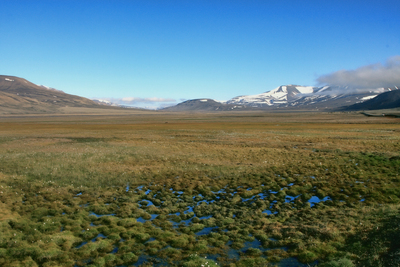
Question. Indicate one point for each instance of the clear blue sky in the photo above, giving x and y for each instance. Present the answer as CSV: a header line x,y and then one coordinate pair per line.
x,y
186,49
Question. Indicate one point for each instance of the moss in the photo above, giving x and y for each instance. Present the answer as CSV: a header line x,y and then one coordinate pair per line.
x,y
344,262
194,261
180,242
129,257
110,260
253,252
201,246
307,257
203,160
252,262
29,262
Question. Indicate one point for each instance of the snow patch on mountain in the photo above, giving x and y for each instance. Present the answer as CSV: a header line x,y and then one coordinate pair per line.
x,y
280,95
305,89
296,96
368,97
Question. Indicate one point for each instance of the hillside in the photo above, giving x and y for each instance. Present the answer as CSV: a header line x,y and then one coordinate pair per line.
x,y
385,100
20,96
205,105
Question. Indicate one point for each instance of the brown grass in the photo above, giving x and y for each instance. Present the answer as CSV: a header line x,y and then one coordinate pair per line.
x,y
45,161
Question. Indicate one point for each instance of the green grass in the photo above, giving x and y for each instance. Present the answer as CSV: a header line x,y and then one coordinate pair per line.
x,y
54,175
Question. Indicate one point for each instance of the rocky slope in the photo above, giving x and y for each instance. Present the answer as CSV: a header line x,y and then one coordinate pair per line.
x,y
19,96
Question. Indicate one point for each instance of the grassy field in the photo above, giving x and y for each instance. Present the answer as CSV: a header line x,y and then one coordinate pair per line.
x,y
222,189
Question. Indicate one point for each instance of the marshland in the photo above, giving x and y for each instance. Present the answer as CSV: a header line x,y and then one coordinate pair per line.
x,y
180,189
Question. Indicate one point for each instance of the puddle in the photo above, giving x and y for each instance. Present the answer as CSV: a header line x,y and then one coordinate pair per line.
x,y
99,235
206,201
81,245
149,203
289,199
223,194
150,239
182,222
247,199
155,261
221,191
205,217
262,195
235,253
315,199
190,209
206,230
153,216
269,212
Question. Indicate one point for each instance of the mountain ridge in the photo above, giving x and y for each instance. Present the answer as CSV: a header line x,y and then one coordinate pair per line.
x,y
20,96
386,100
290,97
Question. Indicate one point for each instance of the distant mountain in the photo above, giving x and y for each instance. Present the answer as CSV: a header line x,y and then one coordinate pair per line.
x,y
18,96
280,95
106,103
287,97
205,104
307,97
387,100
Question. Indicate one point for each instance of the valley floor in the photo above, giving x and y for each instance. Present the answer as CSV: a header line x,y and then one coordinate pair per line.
x,y
190,189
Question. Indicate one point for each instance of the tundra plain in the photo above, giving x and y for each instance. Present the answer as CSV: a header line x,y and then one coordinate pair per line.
x,y
191,189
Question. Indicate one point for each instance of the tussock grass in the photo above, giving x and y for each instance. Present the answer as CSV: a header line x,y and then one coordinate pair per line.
x,y
69,189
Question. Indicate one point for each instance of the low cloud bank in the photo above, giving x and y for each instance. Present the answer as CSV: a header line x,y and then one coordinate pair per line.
x,y
149,102
367,77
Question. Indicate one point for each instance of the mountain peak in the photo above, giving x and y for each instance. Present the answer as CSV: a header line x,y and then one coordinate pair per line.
x,y
297,96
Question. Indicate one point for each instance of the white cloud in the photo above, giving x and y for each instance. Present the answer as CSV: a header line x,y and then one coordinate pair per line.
x,y
149,102
366,77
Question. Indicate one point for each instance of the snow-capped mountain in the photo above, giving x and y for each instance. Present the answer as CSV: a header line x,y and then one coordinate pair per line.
x,y
325,97
387,100
287,97
280,95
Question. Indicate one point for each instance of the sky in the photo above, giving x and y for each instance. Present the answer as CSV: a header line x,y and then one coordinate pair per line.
x,y
150,53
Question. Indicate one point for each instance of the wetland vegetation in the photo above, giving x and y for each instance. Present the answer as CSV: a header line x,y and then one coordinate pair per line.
x,y
226,189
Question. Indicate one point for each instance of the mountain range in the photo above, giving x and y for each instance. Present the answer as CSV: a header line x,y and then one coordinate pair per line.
x,y
19,96
290,97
